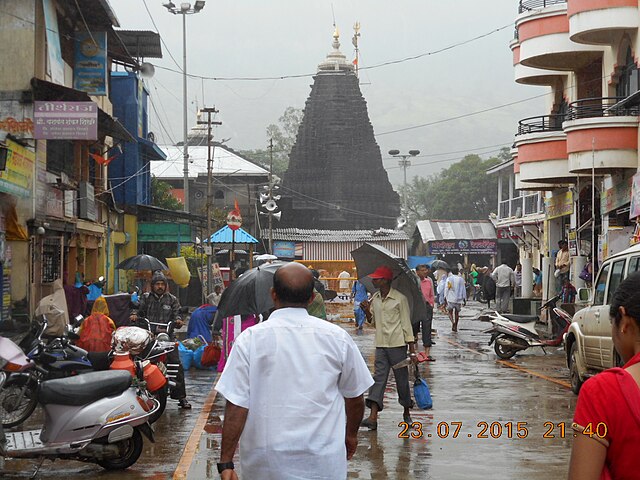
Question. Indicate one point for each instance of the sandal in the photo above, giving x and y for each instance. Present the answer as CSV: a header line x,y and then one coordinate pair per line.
x,y
370,424
430,359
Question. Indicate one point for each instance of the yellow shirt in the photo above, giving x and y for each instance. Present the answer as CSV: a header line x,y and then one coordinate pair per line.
x,y
392,319
562,261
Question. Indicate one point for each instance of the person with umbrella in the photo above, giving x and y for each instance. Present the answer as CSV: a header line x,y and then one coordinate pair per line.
x,y
160,306
389,312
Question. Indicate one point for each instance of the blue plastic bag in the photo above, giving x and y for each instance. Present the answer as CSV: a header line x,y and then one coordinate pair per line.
x,y
197,357
186,356
422,394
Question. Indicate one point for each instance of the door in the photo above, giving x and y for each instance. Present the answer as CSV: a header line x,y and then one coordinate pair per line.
x,y
604,324
591,319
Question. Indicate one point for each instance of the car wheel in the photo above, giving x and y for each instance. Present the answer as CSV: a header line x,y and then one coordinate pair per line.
x,y
574,374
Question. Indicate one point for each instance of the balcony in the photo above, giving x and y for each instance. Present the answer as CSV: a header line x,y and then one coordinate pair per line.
x,y
602,133
521,206
542,152
601,22
531,76
543,35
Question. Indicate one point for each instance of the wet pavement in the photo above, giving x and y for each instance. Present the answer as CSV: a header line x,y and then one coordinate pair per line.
x,y
490,419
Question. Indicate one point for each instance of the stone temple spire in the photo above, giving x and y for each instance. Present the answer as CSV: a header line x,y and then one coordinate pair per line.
x,y
336,60
335,178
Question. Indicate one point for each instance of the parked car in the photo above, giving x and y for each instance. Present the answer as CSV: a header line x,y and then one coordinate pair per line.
x,y
588,342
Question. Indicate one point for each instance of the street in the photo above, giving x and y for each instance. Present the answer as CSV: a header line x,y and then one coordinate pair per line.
x,y
490,419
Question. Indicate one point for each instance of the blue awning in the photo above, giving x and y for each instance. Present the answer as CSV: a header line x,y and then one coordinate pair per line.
x,y
150,150
225,235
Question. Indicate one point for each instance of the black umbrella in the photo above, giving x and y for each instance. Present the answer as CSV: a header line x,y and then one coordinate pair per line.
x,y
437,264
369,257
250,293
142,262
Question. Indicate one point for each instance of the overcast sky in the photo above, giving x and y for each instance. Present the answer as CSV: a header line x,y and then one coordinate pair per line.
x,y
257,38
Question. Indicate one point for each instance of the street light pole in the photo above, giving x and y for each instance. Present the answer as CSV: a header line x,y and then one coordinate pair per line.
x,y
404,162
184,10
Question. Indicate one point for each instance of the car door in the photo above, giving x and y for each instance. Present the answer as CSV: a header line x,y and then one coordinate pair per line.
x,y
590,320
604,321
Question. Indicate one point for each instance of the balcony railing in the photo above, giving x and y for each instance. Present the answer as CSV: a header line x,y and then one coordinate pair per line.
x,y
544,123
520,206
528,5
601,107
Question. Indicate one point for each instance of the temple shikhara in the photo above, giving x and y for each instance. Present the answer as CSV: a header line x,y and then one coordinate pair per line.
x,y
335,178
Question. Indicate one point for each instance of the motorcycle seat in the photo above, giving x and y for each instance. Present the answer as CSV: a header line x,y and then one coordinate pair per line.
x,y
521,318
84,389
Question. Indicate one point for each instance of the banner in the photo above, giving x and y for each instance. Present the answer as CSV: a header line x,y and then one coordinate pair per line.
x,y
444,247
17,177
284,249
65,120
90,70
634,210
559,205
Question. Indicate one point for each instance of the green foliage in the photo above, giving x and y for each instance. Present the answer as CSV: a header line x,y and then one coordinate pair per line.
x,y
461,192
284,135
161,195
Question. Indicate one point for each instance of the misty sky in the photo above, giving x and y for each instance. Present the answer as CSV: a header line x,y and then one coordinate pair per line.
x,y
257,38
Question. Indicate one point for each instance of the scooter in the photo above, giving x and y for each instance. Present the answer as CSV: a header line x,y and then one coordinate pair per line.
x,y
512,333
97,417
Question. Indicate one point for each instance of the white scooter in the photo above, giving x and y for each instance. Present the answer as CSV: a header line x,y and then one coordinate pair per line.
x,y
512,333
96,417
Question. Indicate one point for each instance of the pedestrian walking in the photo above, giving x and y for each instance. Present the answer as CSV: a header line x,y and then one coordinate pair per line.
x,y
563,260
294,387
606,422
426,287
389,313
488,286
455,295
517,273
442,283
160,306
505,281
359,294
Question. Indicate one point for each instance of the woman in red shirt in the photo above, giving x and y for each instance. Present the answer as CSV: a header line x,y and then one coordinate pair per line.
x,y
607,417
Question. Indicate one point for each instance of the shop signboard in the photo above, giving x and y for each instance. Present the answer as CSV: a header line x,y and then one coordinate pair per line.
x,y
559,205
65,120
90,69
16,118
616,197
284,249
445,247
17,177
572,239
634,210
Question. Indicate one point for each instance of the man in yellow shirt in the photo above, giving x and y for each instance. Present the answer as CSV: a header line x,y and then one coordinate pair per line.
x,y
563,260
389,312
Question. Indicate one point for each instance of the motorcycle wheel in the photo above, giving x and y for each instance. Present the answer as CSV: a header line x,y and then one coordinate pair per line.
x,y
130,450
503,352
18,400
574,375
160,395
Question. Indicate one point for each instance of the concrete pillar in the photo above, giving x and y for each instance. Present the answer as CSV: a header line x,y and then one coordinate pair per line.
x,y
577,264
548,280
527,277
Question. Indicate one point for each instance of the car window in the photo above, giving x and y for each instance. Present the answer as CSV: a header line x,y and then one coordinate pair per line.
x,y
601,284
616,277
634,264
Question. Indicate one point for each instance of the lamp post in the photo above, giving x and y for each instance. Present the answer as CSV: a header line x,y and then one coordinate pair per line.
x,y
404,162
185,9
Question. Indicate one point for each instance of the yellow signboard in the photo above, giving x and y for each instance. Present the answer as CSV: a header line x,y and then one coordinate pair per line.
x,y
559,205
16,178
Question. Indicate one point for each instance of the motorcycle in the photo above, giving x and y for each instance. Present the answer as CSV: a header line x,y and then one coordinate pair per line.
x,y
97,417
512,333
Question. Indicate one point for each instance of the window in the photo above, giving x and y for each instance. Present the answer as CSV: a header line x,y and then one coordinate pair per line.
x,y
60,156
601,284
628,77
634,265
219,194
51,260
617,274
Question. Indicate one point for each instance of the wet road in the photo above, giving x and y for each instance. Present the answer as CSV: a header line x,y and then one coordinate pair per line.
x,y
490,419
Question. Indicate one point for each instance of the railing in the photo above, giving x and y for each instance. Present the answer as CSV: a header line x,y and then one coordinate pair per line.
x,y
543,123
528,5
520,206
601,107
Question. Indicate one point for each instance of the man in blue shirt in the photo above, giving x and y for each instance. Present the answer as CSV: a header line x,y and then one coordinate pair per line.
x,y
359,294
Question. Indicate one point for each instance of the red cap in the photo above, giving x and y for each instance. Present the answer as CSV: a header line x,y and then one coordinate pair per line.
x,y
382,272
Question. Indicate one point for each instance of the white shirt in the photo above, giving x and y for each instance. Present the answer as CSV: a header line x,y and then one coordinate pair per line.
x,y
344,284
292,373
454,290
503,276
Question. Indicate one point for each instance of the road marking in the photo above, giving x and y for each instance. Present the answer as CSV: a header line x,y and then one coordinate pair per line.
x,y
516,367
194,439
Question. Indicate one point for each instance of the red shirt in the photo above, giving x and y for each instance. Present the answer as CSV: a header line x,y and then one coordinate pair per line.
x,y
612,399
426,285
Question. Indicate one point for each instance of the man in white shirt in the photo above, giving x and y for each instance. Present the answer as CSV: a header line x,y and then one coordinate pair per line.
x,y
294,387
505,280
455,295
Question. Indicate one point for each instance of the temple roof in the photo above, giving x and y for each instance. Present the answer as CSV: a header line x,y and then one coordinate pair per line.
x,y
336,61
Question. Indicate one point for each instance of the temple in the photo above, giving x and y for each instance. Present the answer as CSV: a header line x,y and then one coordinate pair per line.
x,y
335,178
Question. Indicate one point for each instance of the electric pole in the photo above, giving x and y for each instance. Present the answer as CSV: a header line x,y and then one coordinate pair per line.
x,y
209,123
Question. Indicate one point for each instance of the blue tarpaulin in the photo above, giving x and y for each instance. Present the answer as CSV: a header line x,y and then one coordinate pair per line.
x,y
415,261
225,235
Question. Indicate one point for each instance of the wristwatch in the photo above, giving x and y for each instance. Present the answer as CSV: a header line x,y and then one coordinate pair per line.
x,y
225,466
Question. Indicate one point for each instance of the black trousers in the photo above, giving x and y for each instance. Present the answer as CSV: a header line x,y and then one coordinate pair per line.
x,y
424,324
176,373
385,359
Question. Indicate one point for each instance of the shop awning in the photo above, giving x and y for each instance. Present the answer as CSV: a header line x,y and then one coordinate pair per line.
x,y
150,151
107,125
225,235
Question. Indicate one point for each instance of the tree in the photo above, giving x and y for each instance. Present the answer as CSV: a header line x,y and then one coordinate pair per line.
x,y
463,191
284,135
161,195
